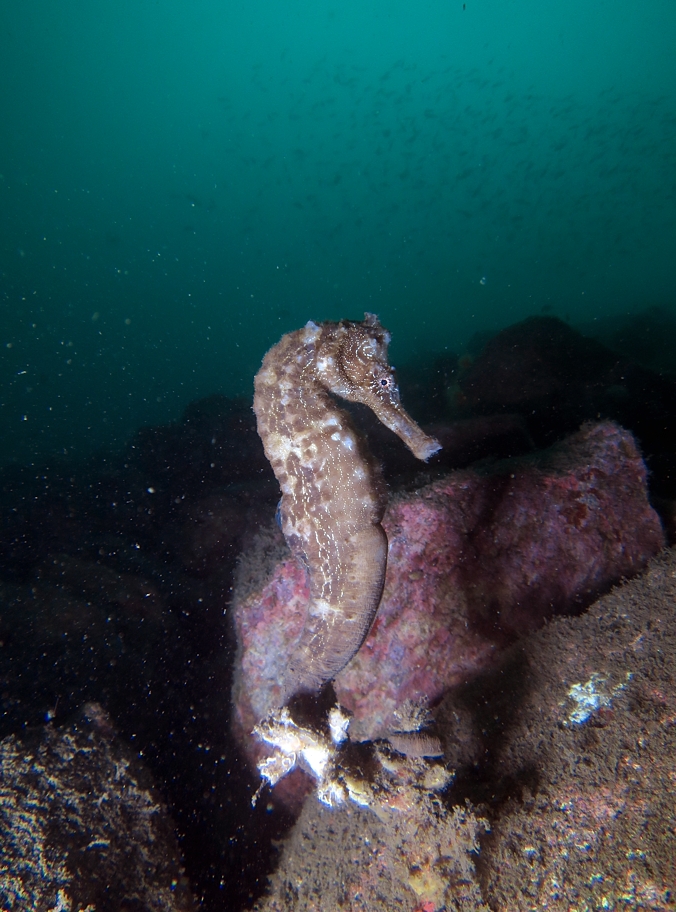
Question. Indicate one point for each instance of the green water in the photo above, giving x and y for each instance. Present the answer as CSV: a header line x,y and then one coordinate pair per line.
x,y
183,181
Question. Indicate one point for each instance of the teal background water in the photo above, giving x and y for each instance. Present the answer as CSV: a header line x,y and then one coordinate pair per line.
x,y
182,182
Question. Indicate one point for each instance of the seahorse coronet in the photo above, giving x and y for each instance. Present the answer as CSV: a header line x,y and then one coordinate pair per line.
x,y
333,496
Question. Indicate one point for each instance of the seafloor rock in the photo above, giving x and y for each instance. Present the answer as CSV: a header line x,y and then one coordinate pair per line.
x,y
82,826
542,361
210,533
475,559
468,440
417,855
581,753
556,378
115,573
464,441
647,337
87,579
214,444
573,771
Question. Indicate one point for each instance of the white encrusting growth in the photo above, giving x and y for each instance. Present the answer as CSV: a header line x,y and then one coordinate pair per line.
x,y
320,754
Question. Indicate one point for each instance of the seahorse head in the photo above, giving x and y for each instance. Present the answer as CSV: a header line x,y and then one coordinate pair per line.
x,y
351,361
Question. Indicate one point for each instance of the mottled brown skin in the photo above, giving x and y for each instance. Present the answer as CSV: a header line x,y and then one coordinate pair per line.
x,y
332,497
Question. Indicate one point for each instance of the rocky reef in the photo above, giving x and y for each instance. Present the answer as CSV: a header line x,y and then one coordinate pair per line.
x,y
564,754
477,558
116,586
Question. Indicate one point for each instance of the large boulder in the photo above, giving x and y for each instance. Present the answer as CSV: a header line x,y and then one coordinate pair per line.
x,y
476,559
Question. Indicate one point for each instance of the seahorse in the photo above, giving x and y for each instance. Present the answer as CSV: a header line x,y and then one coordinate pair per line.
x,y
333,496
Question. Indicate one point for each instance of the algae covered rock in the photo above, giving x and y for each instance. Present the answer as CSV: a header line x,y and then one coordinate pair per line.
x,y
82,825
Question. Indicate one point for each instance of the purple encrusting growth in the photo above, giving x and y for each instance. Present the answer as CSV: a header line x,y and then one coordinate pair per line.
x,y
475,558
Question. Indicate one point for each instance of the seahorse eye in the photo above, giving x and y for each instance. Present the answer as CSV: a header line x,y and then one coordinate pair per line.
x,y
386,383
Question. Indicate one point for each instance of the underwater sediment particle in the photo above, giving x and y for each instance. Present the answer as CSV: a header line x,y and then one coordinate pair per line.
x,y
333,498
